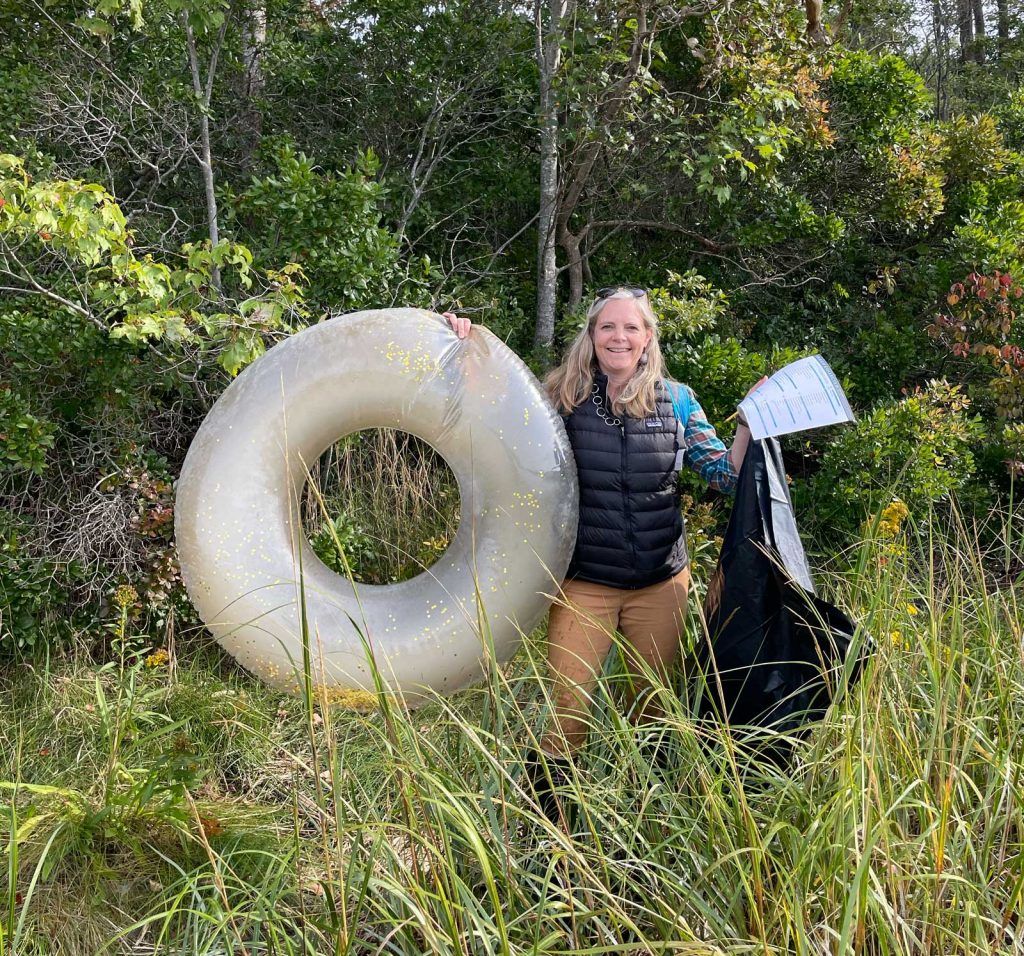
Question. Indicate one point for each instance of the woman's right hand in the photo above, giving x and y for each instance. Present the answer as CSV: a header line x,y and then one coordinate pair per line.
x,y
741,419
460,325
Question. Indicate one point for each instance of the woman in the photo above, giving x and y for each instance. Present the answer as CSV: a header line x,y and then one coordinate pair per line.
x,y
630,570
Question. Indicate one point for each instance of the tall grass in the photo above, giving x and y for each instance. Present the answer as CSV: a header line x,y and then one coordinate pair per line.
x,y
387,500
216,817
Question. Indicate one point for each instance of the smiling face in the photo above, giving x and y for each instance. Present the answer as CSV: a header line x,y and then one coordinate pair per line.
x,y
620,336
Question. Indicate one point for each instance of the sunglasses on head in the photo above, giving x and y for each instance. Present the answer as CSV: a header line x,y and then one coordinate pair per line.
x,y
609,291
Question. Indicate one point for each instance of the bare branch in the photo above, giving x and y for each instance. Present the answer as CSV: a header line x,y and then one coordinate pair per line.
x,y
35,288
710,244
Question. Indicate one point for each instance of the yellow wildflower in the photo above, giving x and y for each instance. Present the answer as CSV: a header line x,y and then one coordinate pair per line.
x,y
912,610
354,699
125,596
896,637
157,659
896,511
891,519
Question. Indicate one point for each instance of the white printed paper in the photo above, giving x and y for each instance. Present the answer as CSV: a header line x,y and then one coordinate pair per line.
x,y
805,394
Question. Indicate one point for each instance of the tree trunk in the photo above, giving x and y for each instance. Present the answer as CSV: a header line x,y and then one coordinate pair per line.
x,y
586,158
254,39
549,53
574,265
588,278
964,16
941,69
979,30
815,29
203,95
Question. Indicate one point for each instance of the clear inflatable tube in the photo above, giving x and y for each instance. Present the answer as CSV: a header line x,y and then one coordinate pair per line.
x,y
240,538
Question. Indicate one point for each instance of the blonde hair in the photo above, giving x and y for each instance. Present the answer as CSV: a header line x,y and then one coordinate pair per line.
x,y
572,382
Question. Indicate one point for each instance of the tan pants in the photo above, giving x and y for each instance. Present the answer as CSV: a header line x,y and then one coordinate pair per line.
x,y
580,634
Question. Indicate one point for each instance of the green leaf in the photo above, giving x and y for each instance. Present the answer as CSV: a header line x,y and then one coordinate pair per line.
x,y
95,26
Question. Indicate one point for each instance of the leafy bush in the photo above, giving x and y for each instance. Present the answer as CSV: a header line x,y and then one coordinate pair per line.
x,y
786,215
878,107
701,352
107,358
1009,113
343,546
327,222
983,326
978,168
774,107
1012,448
24,437
919,449
33,593
989,239
68,241
872,96
912,178
876,341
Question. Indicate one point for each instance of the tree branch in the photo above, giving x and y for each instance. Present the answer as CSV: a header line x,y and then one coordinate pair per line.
x,y
37,289
710,244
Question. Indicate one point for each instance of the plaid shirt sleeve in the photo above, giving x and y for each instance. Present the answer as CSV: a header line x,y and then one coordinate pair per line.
x,y
704,451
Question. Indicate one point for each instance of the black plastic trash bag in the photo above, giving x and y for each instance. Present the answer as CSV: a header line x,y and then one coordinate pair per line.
x,y
777,651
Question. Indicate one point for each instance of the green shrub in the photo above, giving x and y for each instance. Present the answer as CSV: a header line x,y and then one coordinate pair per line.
x,y
911,175
700,350
785,215
990,239
33,594
24,437
874,95
884,349
326,221
919,449
977,156
690,312
878,108
343,545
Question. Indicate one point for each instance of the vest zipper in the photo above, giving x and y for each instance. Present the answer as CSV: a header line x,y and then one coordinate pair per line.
x,y
625,498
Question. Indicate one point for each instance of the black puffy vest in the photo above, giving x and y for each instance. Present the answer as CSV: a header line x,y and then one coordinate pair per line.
x,y
630,532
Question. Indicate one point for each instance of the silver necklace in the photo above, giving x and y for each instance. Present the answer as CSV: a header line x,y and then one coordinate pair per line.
x,y
602,412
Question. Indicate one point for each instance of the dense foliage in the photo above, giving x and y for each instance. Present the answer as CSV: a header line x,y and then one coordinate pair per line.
x,y
182,182
185,182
